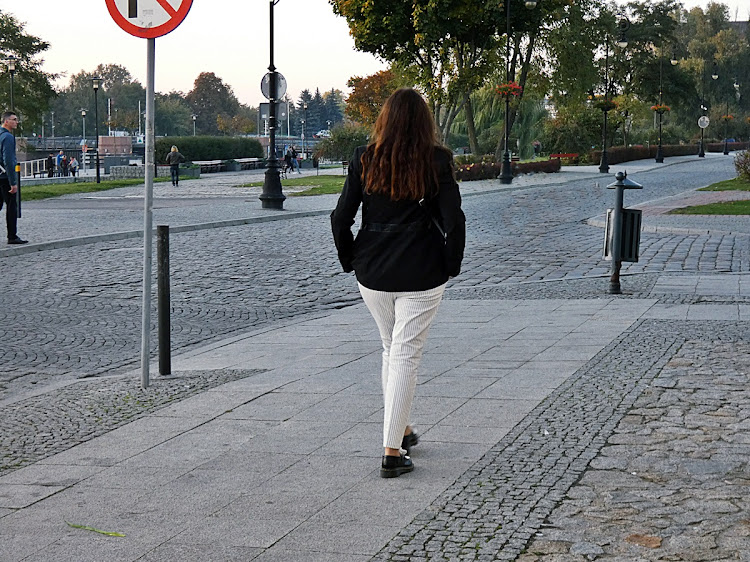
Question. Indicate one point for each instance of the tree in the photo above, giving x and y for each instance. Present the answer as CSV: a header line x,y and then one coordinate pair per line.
x,y
172,115
369,94
342,142
449,47
209,99
333,106
32,88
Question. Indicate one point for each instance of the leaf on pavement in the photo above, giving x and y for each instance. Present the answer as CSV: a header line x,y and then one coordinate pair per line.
x,y
87,528
645,540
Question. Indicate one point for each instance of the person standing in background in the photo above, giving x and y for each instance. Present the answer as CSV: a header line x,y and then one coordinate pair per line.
x,y
9,176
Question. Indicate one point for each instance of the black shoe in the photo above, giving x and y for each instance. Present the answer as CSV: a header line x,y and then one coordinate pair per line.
x,y
17,240
392,467
409,441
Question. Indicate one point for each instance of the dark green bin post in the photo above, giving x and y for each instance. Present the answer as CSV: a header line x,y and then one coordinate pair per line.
x,y
623,231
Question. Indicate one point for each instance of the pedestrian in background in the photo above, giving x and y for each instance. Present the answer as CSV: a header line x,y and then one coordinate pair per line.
x,y
73,166
174,158
411,241
50,165
58,162
8,175
64,165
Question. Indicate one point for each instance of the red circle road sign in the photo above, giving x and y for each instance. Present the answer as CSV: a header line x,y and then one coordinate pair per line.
x,y
148,18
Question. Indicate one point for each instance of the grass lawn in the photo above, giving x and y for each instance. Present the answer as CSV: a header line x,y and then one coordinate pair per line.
x,y
319,185
726,208
720,208
736,184
47,190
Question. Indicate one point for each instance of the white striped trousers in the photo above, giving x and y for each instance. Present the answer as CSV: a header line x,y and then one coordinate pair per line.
x,y
403,319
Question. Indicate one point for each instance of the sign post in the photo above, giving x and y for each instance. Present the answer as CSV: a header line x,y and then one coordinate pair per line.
x,y
148,19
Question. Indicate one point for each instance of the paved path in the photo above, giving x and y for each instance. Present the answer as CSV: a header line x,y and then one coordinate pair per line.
x,y
544,404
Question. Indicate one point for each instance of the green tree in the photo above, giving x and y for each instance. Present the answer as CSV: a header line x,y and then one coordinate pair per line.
x,y
342,142
210,99
32,88
172,115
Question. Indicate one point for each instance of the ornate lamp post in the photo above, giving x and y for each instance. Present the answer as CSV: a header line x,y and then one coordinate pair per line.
x,y
194,117
272,197
506,174
623,25
97,82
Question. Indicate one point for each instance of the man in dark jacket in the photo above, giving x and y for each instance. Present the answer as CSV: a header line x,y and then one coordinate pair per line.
x,y
8,175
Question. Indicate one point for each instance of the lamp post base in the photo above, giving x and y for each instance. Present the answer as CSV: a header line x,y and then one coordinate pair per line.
x,y
272,197
659,156
604,164
506,174
726,148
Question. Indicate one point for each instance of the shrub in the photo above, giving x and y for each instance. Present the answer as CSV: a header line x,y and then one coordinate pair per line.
x,y
209,148
742,164
491,170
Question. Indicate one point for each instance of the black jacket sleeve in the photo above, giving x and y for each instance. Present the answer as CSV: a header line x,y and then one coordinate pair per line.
x,y
342,217
452,217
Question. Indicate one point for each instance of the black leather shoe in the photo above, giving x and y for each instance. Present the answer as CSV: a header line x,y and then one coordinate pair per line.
x,y
409,441
392,467
17,240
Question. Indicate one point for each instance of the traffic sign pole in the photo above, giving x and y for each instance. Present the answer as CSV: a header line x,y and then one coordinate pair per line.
x,y
148,19
148,211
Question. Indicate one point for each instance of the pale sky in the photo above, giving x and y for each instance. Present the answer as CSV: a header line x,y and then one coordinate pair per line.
x,y
313,48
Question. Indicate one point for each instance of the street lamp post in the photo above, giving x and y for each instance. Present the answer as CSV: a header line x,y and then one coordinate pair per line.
x,y
660,111
11,62
622,41
506,173
726,132
96,81
303,136
83,145
194,116
704,109
272,197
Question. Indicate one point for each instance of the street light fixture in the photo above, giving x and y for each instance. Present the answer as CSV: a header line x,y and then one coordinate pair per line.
x,y
303,135
506,174
97,82
11,63
623,24
194,116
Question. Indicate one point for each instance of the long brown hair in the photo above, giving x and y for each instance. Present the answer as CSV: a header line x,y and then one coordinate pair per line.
x,y
399,160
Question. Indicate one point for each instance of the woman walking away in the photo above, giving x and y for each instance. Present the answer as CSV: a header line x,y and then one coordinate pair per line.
x,y
410,242
174,158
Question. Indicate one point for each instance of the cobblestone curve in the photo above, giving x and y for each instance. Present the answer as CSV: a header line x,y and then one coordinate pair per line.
x,y
496,507
41,426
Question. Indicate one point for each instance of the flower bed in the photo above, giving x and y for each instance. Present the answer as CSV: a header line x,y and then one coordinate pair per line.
x,y
491,170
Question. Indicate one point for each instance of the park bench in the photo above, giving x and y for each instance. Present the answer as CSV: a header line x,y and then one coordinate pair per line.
x,y
250,163
210,166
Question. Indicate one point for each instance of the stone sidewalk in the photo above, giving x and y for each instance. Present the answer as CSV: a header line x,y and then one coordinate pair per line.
x,y
565,429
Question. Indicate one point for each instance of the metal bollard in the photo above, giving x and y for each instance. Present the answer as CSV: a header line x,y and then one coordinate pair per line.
x,y
163,304
613,236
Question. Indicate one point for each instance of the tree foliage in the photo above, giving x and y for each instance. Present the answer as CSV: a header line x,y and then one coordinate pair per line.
x,y
211,101
369,94
32,88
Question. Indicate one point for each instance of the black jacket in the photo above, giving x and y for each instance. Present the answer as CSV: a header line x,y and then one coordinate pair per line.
x,y
398,246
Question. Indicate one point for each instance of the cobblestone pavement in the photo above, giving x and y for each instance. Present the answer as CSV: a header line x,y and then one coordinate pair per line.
x,y
38,427
553,488
671,482
660,417
84,319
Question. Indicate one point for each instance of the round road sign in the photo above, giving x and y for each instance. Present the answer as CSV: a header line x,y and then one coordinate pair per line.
x,y
703,122
265,86
148,18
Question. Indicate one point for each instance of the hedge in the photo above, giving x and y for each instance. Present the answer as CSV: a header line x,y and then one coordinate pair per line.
x,y
491,170
619,154
209,148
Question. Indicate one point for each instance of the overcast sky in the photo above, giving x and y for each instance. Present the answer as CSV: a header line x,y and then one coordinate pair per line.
x,y
313,48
